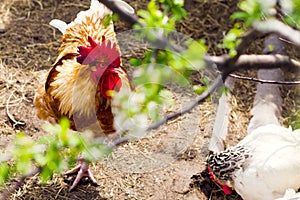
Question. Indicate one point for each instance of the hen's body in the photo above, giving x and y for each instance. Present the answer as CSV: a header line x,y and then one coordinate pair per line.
x,y
87,71
263,165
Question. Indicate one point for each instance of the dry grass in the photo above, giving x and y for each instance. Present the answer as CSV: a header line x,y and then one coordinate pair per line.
x,y
136,170
5,14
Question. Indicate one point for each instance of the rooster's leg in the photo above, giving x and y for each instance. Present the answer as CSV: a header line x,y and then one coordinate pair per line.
x,y
83,170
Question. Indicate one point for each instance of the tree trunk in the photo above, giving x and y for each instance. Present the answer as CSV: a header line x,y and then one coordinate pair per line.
x,y
267,105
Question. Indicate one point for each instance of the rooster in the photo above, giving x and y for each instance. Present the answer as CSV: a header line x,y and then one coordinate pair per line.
x,y
85,76
265,164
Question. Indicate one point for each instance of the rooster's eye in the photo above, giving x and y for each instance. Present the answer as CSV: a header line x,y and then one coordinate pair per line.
x,y
101,60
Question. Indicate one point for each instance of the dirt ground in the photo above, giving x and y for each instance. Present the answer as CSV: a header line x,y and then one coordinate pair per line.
x,y
161,165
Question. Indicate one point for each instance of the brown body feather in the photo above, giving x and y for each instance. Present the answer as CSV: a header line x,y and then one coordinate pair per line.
x,y
69,89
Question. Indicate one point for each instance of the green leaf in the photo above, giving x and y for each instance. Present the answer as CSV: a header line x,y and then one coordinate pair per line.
x,y
222,90
64,125
199,89
248,6
24,166
239,15
179,2
106,20
270,47
232,39
46,174
232,53
135,62
4,173
193,55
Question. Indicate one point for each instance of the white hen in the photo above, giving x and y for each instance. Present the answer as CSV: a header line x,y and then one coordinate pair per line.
x,y
265,163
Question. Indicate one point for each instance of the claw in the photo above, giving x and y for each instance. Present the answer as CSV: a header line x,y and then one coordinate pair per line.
x,y
74,170
83,170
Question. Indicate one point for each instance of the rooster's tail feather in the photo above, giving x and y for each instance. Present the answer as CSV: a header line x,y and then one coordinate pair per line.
x,y
96,8
100,10
60,25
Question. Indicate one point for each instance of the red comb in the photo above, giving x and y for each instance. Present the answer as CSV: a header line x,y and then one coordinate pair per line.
x,y
105,52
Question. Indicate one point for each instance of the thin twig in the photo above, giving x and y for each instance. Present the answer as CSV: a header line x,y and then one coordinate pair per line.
x,y
264,81
214,86
10,117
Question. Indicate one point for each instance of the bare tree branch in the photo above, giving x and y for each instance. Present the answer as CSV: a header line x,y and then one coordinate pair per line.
x,y
118,140
281,29
129,18
264,81
253,62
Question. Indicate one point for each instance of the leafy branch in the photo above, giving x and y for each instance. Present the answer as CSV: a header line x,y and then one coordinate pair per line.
x,y
254,13
224,61
48,155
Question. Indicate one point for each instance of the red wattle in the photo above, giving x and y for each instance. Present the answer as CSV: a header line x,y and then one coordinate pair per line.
x,y
225,188
108,80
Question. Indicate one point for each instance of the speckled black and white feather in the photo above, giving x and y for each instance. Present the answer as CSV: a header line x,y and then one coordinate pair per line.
x,y
225,163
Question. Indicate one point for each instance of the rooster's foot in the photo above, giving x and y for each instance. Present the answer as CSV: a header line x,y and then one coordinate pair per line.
x,y
82,170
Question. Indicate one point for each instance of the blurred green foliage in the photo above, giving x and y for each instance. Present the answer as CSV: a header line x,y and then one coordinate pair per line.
x,y
52,153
